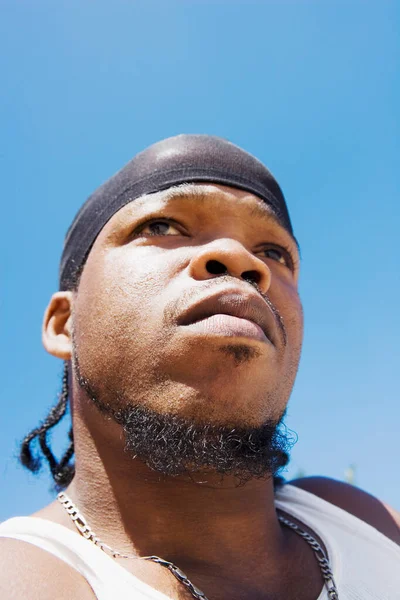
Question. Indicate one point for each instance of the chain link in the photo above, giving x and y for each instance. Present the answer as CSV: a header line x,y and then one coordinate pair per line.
x,y
320,555
86,532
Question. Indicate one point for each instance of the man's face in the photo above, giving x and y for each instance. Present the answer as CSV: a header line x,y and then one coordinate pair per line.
x,y
188,304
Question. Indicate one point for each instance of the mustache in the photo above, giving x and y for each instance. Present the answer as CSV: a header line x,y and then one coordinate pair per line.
x,y
187,297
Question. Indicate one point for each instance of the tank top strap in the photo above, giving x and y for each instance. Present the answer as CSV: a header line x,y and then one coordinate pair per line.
x,y
107,578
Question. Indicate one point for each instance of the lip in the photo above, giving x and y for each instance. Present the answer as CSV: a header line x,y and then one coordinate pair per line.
x,y
235,302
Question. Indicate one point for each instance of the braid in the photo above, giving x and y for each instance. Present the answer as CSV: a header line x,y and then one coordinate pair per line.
x,y
65,471
61,471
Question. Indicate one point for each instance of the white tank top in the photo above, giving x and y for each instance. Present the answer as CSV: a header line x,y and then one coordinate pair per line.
x,y
365,563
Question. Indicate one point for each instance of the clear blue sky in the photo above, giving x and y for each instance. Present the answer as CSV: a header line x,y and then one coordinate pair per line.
x,y
312,89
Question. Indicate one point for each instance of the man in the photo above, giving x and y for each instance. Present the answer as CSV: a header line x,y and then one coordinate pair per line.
x,y
180,324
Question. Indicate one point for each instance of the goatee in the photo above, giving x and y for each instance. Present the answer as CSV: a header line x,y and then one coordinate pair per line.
x,y
173,445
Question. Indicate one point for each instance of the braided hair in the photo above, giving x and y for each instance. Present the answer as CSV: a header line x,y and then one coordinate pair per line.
x,y
62,470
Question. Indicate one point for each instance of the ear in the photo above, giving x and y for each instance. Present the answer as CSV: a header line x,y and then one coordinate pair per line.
x,y
57,325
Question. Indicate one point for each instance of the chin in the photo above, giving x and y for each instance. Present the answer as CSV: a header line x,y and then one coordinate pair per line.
x,y
225,405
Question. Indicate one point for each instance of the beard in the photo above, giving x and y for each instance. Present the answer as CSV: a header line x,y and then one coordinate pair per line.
x,y
173,445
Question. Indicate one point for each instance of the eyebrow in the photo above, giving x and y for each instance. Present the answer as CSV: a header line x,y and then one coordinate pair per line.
x,y
198,192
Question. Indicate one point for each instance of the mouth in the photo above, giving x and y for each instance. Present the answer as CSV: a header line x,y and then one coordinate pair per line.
x,y
232,313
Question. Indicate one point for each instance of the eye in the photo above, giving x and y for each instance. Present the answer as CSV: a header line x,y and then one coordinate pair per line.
x,y
280,255
157,228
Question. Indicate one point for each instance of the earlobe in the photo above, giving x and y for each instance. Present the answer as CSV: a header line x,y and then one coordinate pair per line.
x,y
57,325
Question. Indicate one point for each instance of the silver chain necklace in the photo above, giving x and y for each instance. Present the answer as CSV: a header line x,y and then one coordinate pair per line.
x,y
84,529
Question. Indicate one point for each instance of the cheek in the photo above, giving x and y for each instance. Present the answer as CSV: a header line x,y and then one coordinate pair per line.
x,y
286,299
118,298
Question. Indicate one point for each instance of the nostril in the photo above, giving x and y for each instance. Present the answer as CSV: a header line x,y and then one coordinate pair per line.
x,y
214,267
252,276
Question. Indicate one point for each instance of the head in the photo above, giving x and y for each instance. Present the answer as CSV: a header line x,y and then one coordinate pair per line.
x,y
179,314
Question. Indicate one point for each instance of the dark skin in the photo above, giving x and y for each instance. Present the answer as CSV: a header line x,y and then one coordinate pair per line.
x,y
139,278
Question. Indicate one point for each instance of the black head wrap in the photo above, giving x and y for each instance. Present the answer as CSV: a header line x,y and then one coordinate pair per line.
x,y
176,160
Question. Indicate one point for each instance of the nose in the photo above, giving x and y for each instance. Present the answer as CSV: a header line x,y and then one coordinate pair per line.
x,y
230,257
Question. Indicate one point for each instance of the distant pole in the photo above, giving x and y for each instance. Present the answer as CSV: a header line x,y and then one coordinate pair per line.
x,y
350,474
300,473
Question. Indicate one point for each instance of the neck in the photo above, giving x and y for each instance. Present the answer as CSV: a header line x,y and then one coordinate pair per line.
x,y
197,522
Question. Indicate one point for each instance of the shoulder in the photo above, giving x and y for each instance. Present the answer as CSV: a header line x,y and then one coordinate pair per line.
x,y
28,572
356,502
